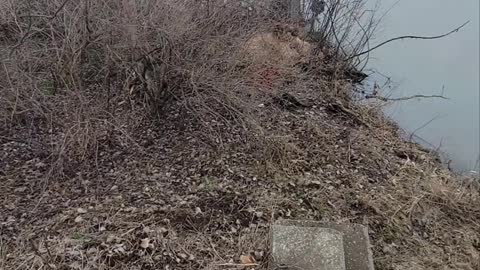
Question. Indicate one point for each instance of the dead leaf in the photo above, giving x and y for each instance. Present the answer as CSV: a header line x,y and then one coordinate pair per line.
x,y
145,243
119,249
183,256
78,219
110,238
76,265
247,259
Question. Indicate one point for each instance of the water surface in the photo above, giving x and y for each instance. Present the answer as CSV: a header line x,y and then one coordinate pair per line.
x,y
448,66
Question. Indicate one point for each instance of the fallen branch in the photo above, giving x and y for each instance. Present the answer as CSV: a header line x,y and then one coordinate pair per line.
x,y
407,37
403,98
338,107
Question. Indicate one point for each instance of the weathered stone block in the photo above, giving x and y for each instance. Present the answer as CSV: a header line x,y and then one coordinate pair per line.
x,y
356,243
307,248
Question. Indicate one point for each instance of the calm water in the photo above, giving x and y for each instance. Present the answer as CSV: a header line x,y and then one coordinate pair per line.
x,y
427,67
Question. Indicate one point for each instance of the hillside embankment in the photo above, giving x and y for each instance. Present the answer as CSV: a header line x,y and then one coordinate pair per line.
x,y
172,134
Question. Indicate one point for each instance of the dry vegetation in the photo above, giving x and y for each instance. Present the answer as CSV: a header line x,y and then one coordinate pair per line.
x,y
164,135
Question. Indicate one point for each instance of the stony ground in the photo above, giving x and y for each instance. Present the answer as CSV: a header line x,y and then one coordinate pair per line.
x,y
157,196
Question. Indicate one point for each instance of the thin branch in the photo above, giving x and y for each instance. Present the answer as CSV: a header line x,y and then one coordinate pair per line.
x,y
388,10
404,98
20,42
408,37
39,254
50,17
423,126
59,9
30,24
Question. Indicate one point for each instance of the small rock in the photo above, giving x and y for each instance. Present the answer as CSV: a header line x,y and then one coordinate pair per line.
x,y
259,255
316,183
81,210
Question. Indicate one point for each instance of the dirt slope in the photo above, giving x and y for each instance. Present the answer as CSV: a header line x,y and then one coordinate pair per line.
x,y
190,172
163,200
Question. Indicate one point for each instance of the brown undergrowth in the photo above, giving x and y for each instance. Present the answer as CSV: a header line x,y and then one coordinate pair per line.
x,y
171,134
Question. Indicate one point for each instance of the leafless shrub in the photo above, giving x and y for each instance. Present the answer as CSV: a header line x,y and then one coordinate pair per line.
x,y
343,29
70,65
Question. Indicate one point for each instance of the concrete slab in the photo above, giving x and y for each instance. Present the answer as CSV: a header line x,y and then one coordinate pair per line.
x,y
307,248
356,243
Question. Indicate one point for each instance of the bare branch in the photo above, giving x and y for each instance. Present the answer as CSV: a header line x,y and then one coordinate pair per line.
x,y
59,9
30,24
413,134
25,35
50,17
403,98
408,37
